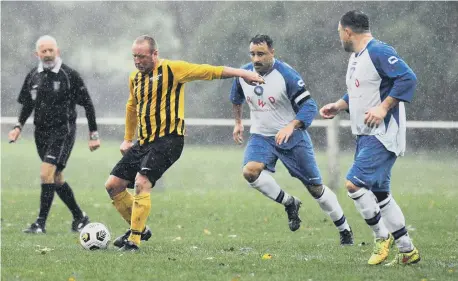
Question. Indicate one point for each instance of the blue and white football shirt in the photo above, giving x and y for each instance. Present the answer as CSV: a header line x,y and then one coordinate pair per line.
x,y
372,75
274,104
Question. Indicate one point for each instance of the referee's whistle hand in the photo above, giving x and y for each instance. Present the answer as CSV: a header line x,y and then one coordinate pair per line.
x,y
13,135
94,144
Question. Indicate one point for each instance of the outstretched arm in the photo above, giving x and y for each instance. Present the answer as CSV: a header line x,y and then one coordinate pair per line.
x,y
249,76
186,72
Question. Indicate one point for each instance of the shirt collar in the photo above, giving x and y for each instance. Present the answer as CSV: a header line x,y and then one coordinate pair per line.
x,y
365,47
55,69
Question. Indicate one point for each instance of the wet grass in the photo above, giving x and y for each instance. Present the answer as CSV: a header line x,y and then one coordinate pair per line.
x,y
208,225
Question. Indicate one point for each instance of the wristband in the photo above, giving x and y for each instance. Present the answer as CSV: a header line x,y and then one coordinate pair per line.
x,y
94,136
18,125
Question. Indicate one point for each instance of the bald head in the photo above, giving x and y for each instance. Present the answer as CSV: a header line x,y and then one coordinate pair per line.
x,y
145,53
147,39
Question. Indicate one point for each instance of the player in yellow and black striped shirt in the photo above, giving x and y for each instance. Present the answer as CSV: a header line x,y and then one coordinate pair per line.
x,y
156,108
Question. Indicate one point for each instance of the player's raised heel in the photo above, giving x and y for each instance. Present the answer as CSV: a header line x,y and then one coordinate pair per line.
x,y
35,228
346,237
411,257
121,240
381,250
292,209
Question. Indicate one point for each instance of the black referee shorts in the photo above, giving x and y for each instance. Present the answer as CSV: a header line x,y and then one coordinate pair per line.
x,y
54,146
150,159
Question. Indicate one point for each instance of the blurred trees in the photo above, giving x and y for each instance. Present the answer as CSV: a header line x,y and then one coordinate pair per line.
x,y
96,37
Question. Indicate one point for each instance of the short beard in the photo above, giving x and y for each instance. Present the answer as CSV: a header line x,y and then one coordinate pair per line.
x,y
348,46
48,64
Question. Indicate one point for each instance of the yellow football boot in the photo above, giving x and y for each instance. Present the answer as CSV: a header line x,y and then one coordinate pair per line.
x,y
381,250
406,258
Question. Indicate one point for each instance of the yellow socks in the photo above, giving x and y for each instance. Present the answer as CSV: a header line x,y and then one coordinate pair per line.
x,y
140,213
123,203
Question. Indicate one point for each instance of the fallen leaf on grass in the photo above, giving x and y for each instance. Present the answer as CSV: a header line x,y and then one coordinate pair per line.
x,y
43,250
231,249
266,256
236,278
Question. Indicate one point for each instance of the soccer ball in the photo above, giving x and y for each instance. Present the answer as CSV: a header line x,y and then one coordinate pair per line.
x,y
95,236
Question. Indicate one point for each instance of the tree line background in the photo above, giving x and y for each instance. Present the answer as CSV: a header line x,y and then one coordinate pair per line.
x,y
96,37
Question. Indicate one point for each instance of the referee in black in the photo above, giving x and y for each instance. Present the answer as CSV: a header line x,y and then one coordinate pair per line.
x,y
53,90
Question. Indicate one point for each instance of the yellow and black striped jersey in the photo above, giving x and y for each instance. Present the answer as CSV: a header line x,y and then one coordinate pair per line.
x,y
156,102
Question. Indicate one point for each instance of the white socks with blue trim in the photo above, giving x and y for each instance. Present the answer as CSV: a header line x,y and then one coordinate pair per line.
x,y
329,204
267,185
366,204
395,223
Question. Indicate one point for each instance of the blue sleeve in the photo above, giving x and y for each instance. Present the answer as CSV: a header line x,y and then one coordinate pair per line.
x,y
346,99
237,96
307,112
301,101
295,86
390,66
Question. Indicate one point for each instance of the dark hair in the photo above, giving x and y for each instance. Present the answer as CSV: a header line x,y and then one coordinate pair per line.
x,y
356,20
261,38
151,42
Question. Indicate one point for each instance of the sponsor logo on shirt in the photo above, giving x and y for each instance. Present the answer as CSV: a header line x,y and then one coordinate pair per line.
x,y
155,78
258,90
392,60
56,86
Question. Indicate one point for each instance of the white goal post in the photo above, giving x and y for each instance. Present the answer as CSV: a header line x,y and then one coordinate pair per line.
x,y
330,125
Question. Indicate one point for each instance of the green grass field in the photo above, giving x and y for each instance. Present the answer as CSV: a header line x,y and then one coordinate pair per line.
x,y
209,225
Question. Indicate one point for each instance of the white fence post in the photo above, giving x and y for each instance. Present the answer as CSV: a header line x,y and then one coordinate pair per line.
x,y
332,136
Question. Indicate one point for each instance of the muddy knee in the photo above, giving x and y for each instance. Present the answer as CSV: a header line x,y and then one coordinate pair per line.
x,y
315,190
252,170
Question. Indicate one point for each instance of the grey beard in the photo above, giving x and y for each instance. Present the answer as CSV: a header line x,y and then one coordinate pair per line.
x,y
48,64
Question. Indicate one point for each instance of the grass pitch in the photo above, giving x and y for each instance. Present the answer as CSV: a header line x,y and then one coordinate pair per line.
x,y
208,225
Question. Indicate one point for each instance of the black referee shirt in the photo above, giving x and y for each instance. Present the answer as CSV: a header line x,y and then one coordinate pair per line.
x,y
54,94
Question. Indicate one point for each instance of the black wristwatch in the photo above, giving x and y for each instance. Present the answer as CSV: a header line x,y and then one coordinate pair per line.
x,y
18,125
94,135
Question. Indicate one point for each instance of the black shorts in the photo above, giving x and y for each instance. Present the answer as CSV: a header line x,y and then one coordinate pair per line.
x,y
54,146
150,159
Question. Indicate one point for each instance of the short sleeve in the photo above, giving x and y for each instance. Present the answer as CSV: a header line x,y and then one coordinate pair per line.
x,y
237,96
